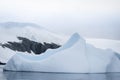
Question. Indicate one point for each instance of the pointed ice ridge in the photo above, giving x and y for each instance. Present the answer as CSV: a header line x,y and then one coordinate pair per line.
x,y
73,39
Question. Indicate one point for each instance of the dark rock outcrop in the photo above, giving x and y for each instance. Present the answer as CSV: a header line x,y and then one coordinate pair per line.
x,y
28,45
2,63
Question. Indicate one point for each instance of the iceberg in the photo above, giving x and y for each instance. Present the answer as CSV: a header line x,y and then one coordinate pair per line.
x,y
75,56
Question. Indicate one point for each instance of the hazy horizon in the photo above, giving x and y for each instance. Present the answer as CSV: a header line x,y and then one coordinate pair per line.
x,y
91,18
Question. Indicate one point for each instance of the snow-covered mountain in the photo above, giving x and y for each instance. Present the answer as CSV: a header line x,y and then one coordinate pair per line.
x,y
10,30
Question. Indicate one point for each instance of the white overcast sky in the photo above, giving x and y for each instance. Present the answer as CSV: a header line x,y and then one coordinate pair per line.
x,y
91,18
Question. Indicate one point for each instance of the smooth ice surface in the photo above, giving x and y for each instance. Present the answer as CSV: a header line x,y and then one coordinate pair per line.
x,y
75,56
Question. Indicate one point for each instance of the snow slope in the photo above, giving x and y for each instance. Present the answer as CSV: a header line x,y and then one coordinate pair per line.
x,y
76,56
105,43
10,30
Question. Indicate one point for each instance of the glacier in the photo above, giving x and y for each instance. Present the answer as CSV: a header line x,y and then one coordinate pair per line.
x,y
75,56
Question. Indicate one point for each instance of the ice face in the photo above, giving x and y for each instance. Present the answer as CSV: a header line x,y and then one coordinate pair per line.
x,y
75,56
73,39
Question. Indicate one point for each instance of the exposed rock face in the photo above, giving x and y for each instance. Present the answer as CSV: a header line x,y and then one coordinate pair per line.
x,y
28,45
2,63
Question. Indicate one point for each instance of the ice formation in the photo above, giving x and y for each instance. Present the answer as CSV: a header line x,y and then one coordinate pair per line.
x,y
75,56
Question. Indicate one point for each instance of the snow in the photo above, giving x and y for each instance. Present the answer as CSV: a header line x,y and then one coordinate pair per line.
x,y
105,43
75,56
10,30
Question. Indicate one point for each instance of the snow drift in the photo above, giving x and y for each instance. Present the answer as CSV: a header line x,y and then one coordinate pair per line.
x,y
75,56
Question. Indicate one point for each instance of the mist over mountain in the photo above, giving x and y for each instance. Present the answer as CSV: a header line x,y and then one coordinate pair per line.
x,y
17,24
10,30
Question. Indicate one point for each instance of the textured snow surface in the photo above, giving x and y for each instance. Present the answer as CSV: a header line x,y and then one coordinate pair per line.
x,y
75,56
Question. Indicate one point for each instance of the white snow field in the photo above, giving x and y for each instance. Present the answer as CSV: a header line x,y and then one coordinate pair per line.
x,y
105,43
75,56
